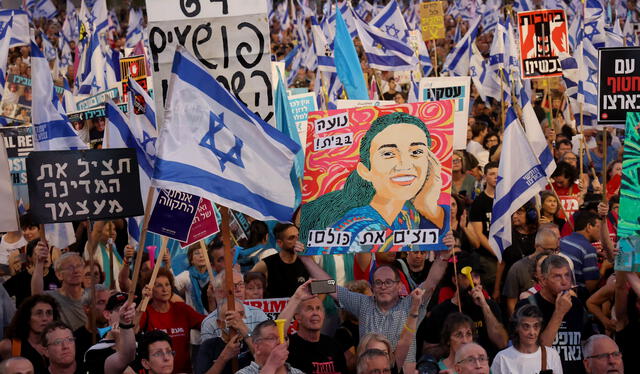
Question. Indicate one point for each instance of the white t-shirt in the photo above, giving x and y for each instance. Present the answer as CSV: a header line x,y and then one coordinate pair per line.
x,y
474,147
7,248
510,361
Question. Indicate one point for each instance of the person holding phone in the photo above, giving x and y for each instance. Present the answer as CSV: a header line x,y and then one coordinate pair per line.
x,y
527,355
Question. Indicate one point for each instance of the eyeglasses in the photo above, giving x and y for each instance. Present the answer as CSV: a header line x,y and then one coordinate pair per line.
x,y
238,285
58,342
616,355
456,160
272,338
387,283
482,359
163,354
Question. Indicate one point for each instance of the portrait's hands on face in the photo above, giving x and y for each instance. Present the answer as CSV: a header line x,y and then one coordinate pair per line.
x,y
428,196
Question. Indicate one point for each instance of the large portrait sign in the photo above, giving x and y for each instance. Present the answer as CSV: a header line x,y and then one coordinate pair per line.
x,y
543,36
377,178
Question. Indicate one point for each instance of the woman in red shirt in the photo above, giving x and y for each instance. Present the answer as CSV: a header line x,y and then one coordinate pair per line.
x,y
175,318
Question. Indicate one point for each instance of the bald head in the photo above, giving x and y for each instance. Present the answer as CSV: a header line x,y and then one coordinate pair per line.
x,y
602,355
471,358
16,365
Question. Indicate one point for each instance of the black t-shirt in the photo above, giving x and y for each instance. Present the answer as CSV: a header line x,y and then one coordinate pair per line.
x,y
347,335
417,276
19,286
430,329
481,212
283,279
209,352
83,342
97,354
38,361
322,357
573,330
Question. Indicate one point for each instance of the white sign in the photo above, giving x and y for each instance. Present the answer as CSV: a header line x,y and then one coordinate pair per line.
x,y
346,104
301,105
166,10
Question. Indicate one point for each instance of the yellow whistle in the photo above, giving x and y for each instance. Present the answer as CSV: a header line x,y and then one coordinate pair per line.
x,y
467,271
280,325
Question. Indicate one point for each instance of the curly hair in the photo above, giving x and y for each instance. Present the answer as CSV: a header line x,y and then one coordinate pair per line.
x,y
19,327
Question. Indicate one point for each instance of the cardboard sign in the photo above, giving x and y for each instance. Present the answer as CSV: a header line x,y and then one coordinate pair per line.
x,y
618,84
19,143
432,20
444,88
394,197
97,99
543,36
173,214
301,105
204,223
230,38
84,185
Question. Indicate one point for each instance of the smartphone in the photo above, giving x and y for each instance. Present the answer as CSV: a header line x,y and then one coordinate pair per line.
x,y
323,286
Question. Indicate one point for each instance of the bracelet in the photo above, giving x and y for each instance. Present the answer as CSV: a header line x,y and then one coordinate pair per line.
x,y
409,329
126,326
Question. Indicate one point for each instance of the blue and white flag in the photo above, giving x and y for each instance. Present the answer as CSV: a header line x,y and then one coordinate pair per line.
x,y
45,9
519,180
50,52
323,50
52,130
391,21
91,76
213,146
20,26
629,33
457,61
523,5
483,79
134,29
534,132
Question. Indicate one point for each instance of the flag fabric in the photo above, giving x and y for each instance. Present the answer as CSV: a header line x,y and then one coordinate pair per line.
x,y
91,75
52,130
482,76
45,9
134,28
50,52
213,146
391,21
519,180
348,63
534,132
458,59
323,50
20,34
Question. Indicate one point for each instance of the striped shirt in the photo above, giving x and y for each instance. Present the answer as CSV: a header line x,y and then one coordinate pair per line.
x,y
583,255
209,328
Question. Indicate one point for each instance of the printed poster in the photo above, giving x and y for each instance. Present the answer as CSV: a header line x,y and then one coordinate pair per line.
x,y
618,84
377,179
432,20
301,105
456,88
18,141
543,36
16,98
629,223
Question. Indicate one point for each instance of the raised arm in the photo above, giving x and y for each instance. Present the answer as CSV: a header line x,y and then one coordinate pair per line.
x,y
42,254
302,294
125,343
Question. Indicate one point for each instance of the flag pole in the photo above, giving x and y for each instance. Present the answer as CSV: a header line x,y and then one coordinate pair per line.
x,y
604,164
228,271
92,312
581,141
435,57
455,271
156,269
141,240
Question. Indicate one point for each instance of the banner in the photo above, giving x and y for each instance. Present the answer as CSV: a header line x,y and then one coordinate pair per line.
x,y
90,124
619,84
432,20
346,104
204,223
377,178
457,88
543,36
9,218
173,214
271,307
230,38
67,186
99,98
136,68
629,222
18,141
301,105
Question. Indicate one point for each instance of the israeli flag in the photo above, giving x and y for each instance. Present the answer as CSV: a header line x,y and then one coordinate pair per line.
x,y
383,51
523,5
91,75
45,9
457,61
519,180
324,51
52,130
134,29
50,52
482,76
534,132
20,26
213,146
391,21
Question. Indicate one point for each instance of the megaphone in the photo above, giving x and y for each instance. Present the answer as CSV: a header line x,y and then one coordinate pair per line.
x,y
467,271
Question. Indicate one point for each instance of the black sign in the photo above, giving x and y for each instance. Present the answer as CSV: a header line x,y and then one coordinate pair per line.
x,y
79,185
618,84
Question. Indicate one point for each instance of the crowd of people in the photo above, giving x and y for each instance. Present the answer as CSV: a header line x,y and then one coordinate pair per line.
x,y
553,304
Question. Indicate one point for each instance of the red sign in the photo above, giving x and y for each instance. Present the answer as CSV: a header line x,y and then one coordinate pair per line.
x,y
570,204
204,223
543,36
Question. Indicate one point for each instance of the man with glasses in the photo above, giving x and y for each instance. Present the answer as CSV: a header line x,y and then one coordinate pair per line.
x,y
60,348
471,358
602,355
373,361
520,275
69,269
270,356
155,352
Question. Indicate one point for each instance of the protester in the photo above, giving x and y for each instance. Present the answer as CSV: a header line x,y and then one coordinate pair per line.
x,y
94,307
156,352
16,365
602,355
471,358
373,361
60,349
457,330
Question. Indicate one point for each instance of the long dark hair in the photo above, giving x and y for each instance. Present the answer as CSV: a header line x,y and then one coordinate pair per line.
x,y
20,325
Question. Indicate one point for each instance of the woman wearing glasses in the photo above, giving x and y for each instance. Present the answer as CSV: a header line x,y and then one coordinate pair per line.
x,y
526,356
456,331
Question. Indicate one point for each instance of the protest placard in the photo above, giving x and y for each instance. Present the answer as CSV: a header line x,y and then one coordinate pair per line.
x,y
301,105
543,36
238,225
99,98
618,84
204,223
346,104
271,307
173,214
136,68
629,222
377,178
232,41
570,204
432,20
9,218
90,124
456,88
16,98
80,185
18,141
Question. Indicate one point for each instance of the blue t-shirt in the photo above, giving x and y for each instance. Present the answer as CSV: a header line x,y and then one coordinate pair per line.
x,y
583,255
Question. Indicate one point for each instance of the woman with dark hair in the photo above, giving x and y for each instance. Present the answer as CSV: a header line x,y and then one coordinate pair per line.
x,y
456,331
255,284
256,247
492,144
549,208
23,334
461,181
460,224
527,355
395,186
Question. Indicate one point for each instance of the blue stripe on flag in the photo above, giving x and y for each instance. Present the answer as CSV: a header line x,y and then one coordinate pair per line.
x,y
120,123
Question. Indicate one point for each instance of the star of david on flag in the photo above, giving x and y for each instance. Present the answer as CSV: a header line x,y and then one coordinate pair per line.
x,y
213,146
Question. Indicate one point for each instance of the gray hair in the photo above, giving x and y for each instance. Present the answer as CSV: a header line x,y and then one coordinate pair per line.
x,y
554,262
463,350
589,344
86,295
5,364
57,266
546,233
363,359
